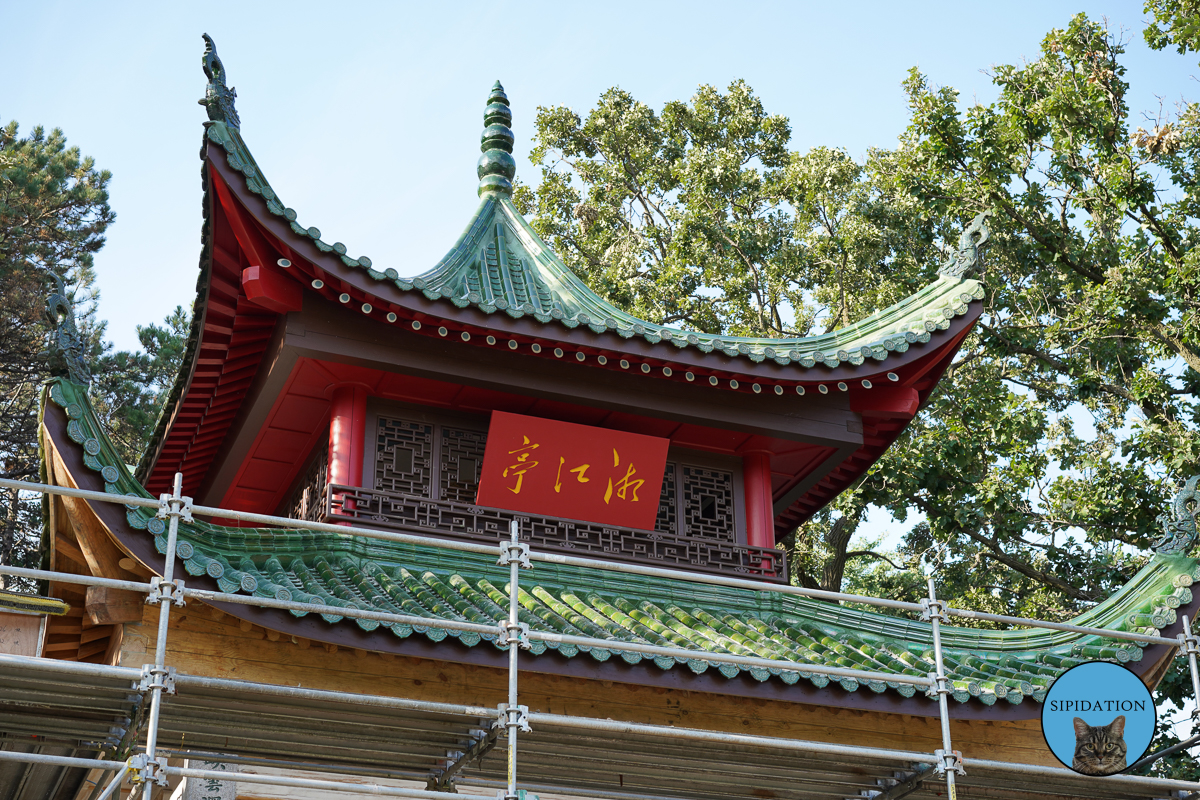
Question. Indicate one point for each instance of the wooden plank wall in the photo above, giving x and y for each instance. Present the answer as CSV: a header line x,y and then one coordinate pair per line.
x,y
205,641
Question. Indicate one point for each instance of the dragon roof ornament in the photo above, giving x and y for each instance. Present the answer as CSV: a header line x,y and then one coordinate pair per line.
x,y
967,258
218,97
65,350
1179,521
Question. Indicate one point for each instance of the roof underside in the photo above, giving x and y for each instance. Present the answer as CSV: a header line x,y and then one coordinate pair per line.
x,y
987,667
341,737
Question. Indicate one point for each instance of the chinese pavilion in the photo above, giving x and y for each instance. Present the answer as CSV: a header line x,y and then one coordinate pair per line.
x,y
321,386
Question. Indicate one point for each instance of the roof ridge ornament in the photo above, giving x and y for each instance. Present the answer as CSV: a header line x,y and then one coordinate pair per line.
x,y
496,168
65,350
218,97
1179,521
967,258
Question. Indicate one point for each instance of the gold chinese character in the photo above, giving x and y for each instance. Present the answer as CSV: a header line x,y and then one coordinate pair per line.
x,y
523,464
580,474
626,485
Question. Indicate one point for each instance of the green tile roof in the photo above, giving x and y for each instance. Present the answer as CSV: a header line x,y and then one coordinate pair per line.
x,y
501,265
341,571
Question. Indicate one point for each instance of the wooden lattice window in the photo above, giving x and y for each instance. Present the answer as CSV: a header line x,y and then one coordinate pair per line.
x,y
668,503
439,456
404,456
421,455
307,498
708,506
460,457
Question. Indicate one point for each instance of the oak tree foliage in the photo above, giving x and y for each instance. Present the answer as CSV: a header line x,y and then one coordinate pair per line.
x,y
1032,480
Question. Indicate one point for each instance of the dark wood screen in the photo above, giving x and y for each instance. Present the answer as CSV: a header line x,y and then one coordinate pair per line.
x,y
461,457
307,498
428,458
668,503
708,506
404,457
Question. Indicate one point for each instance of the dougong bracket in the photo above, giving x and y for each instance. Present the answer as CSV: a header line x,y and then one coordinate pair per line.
x,y
218,97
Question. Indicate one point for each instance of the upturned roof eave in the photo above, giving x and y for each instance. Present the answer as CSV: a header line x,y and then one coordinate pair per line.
x,y
871,344
994,674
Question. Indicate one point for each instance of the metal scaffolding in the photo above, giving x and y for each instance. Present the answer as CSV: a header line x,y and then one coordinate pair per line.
x,y
544,737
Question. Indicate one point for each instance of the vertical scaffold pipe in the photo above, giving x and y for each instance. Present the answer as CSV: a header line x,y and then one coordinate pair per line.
x,y
947,757
166,596
1190,647
114,785
514,640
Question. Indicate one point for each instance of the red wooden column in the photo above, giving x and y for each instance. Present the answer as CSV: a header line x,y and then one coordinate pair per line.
x,y
347,435
760,520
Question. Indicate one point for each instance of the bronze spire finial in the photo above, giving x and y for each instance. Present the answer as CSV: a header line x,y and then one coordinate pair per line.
x,y
218,97
496,168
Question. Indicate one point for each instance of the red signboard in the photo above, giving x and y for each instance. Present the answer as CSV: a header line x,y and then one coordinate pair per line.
x,y
560,469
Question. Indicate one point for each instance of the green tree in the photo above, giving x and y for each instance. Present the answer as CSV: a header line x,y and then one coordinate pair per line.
x,y
53,214
1092,309
129,388
700,215
1176,22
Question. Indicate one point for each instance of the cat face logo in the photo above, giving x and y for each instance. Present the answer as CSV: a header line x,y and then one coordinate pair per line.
x,y
1098,718
1100,749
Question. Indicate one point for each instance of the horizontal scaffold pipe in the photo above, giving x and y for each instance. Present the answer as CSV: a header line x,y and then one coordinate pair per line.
x,y
1112,782
591,793
58,667
71,577
718,737
327,695
313,783
581,641
77,668
724,658
65,761
1059,626
564,560
245,516
309,766
316,608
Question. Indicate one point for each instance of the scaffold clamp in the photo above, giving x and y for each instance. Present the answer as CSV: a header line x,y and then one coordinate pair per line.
x,y
142,769
171,506
932,609
514,717
949,761
522,634
161,590
1189,644
937,685
157,678
515,551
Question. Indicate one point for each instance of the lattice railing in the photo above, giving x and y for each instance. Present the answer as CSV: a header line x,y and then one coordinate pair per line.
x,y
379,509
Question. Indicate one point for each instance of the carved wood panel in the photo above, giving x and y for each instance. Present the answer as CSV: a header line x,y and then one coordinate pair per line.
x,y
404,456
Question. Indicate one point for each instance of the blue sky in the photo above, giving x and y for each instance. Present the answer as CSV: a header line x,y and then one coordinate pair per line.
x,y
365,116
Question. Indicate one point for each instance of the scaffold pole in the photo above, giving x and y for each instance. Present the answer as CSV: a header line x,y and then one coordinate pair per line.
x,y
515,555
948,761
165,592
1189,644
